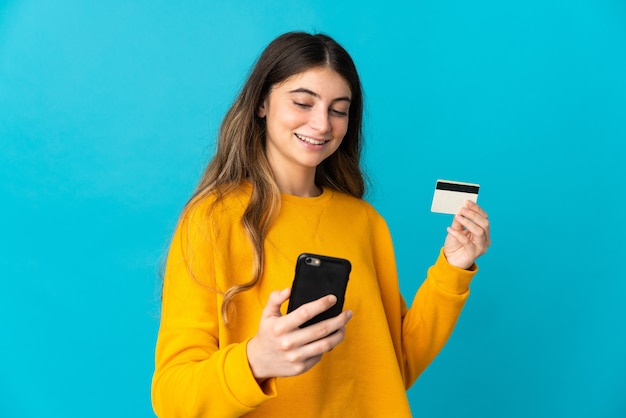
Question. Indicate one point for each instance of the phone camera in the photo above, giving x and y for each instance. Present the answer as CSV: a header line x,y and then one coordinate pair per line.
x,y
313,261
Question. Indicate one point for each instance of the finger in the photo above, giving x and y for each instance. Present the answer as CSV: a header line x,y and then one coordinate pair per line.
x,y
317,348
476,217
475,207
276,299
326,344
309,310
456,225
322,329
460,236
476,232
477,236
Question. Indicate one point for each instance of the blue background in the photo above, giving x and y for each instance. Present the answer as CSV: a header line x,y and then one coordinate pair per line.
x,y
108,113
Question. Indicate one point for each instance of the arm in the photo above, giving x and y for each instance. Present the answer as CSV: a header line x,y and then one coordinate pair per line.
x,y
420,333
434,312
437,304
198,372
194,376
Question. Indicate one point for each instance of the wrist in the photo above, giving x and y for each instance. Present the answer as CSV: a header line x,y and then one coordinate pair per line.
x,y
451,278
459,262
253,362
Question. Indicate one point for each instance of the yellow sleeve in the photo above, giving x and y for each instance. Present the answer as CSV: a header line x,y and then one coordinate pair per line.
x,y
419,333
195,376
434,312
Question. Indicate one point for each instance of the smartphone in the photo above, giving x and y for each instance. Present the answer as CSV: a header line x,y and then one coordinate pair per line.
x,y
318,276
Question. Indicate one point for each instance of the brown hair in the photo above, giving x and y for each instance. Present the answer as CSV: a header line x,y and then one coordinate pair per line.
x,y
240,154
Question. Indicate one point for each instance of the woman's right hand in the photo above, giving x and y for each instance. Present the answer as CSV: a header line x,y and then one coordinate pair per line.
x,y
282,349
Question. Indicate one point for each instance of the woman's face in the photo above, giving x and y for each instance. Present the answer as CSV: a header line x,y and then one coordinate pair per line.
x,y
306,119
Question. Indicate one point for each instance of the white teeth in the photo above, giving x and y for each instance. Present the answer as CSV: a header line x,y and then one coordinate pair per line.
x,y
310,140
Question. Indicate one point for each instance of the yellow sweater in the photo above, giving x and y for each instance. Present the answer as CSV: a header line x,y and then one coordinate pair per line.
x,y
201,364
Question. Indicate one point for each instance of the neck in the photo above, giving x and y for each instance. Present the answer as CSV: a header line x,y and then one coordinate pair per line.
x,y
300,183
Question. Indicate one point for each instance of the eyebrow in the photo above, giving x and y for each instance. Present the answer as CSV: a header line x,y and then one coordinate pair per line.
x,y
314,94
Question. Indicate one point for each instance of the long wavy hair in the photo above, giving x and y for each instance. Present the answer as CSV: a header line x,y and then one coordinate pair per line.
x,y
240,154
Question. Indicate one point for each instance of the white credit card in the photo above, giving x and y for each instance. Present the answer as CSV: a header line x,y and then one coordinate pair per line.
x,y
450,196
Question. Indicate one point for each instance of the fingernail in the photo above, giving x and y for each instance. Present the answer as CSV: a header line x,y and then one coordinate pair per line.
x,y
349,314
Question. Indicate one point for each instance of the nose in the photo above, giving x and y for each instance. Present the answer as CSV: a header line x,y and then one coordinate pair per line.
x,y
320,121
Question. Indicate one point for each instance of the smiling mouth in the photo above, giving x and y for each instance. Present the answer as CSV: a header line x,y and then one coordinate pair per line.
x,y
310,140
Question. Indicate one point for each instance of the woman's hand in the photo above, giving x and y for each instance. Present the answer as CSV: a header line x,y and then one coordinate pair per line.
x,y
282,349
468,236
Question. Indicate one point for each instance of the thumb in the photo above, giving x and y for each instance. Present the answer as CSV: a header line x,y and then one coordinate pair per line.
x,y
277,298
456,225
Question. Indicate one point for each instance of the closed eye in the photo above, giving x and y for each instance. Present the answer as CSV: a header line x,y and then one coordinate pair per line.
x,y
308,106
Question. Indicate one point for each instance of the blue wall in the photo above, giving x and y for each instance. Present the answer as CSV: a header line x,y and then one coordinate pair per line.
x,y
108,113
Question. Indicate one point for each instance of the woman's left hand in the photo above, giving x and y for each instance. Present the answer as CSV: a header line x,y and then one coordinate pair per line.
x,y
468,236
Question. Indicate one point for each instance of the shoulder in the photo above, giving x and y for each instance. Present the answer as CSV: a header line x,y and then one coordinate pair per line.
x,y
215,207
216,201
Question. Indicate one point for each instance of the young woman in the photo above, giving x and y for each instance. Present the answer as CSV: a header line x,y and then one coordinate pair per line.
x,y
286,180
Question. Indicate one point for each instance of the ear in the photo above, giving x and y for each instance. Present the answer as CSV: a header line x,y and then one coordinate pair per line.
x,y
261,111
